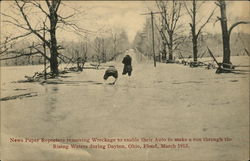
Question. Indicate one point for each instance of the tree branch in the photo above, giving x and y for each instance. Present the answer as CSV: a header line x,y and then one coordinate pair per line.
x,y
177,16
163,36
57,5
17,56
40,52
48,3
28,23
38,5
15,38
189,13
208,19
236,24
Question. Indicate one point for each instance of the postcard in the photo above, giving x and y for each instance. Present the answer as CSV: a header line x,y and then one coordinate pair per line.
x,y
124,80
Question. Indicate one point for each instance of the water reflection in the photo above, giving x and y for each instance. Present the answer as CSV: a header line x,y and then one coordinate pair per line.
x,y
50,102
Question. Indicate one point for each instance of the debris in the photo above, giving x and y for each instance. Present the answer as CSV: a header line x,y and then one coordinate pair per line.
x,y
20,89
20,96
170,61
196,64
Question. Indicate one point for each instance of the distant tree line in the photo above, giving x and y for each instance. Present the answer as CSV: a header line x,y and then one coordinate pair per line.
x,y
171,40
102,48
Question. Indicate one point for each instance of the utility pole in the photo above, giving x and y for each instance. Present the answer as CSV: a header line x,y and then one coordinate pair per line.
x,y
153,39
152,22
44,50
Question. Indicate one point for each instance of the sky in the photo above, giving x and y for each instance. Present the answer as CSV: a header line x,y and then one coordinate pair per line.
x,y
115,15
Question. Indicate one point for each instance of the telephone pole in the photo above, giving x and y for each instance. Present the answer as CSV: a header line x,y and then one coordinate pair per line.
x,y
44,50
153,39
152,23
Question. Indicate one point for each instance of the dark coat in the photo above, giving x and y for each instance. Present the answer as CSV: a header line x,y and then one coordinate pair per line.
x,y
127,65
127,60
111,71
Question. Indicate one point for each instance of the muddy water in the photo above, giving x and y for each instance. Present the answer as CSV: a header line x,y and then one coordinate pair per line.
x,y
168,101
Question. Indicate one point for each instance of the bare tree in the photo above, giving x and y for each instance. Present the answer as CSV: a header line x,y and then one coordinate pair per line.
x,y
103,55
226,32
114,42
143,39
47,10
85,50
164,42
98,48
171,13
195,30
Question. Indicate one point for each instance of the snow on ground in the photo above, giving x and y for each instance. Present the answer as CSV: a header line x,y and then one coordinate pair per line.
x,y
170,100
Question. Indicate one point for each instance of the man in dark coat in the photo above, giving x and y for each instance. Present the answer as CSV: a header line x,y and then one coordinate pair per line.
x,y
111,71
127,60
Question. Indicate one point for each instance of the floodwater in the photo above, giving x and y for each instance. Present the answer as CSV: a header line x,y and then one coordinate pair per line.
x,y
170,100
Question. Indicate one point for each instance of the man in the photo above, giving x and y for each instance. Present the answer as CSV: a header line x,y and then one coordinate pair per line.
x,y
111,71
127,60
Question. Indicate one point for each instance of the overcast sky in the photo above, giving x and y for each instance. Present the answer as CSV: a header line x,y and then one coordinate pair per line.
x,y
127,15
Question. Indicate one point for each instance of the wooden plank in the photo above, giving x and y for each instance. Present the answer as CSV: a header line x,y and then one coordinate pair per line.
x,y
247,52
219,64
236,70
20,96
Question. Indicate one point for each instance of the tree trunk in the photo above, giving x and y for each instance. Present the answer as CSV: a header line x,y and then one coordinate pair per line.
x,y
194,35
164,44
53,44
164,54
170,46
103,51
53,60
195,49
225,34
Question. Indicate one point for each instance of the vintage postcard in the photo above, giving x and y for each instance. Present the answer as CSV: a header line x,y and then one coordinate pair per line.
x,y
124,80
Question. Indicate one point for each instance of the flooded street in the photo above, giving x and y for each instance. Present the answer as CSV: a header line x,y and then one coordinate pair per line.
x,y
170,100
